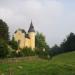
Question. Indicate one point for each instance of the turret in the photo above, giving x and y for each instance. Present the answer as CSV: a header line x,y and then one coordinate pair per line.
x,y
31,33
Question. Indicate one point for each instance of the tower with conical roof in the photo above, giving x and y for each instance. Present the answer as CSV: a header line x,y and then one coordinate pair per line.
x,y
31,29
31,33
25,39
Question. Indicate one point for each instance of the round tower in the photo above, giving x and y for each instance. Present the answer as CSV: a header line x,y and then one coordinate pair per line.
x,y
31,33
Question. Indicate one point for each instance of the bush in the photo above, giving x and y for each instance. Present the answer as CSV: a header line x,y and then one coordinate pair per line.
x,y
3,49
13,44
13,54
22,53
27,52
41,53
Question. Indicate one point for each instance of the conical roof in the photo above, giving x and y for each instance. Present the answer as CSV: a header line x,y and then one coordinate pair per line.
x,y
31,29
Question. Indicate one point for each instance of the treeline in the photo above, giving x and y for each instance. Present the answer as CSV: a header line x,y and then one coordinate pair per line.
x,y
67,45
8,48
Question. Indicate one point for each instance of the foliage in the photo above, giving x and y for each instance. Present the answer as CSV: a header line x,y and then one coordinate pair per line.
x,y
12,54
42,47
55,50
66,46
13,44
3,49
4,33
41,42
69,43
42,53
27,52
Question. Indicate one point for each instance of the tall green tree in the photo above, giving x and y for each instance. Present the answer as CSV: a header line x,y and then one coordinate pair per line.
x,y
40,41
4,31
14,44
69,43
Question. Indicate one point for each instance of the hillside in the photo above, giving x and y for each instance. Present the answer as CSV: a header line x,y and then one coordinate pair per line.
x,y
63,64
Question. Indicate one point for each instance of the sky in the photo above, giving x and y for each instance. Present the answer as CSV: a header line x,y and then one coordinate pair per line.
x,y
54,18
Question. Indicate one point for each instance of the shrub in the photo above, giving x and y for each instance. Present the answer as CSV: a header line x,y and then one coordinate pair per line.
x,y
41,53
15,54
3,49
13,44
27,52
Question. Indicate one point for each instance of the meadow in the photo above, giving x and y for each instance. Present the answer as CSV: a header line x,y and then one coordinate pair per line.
x,y
63,64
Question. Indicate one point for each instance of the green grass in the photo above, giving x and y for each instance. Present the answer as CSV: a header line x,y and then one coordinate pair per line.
x,y
63,64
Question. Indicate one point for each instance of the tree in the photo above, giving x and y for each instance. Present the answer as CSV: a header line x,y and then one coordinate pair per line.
x,y
42,48
4,34
13,44
55,50
69,43
3,49
40,40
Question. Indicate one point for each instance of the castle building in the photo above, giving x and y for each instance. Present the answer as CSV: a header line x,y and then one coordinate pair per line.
x,y
25,39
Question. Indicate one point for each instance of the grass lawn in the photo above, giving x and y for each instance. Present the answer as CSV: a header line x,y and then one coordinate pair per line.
x,y
63,64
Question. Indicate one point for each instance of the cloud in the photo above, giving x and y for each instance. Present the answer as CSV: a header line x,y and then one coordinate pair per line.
x,y
48,16
5,13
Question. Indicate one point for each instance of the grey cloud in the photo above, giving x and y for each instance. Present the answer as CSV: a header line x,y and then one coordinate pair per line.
x,y
48,16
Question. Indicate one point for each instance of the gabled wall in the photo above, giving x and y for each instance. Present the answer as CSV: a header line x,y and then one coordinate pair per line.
x,y
23,41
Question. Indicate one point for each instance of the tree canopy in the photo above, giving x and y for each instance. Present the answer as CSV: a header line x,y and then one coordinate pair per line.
x,y
69,43
40,41
66,46
4,33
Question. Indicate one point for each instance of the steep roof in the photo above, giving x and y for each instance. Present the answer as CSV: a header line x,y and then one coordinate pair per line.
x,y
31,29
22,30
